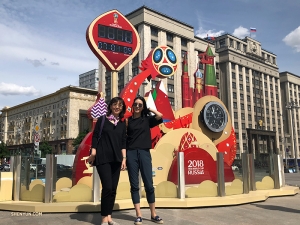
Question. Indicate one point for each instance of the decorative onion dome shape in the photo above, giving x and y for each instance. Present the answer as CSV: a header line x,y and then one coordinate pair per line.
x,y
198,74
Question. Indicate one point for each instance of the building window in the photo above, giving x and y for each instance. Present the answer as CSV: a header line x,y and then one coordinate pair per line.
x,y
249,117
136,59
233,75
232,66
235,115
242,107
230,42
135,71
171,101
248,88
154,44
153,83
242,96
183,42
248,98
249,107
183,54
171,77
170,37
222,43
240,77
154,31
238,45
108,81
241,87
171,88
235,105
234,95
236,125
121,76
243,116
233,85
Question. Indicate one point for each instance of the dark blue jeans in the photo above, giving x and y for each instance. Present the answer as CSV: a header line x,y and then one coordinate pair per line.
x,y
140,160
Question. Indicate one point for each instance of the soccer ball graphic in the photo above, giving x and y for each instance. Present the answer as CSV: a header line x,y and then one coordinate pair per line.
x,y
164,61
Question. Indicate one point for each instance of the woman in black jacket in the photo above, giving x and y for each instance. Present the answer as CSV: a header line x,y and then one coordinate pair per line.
x,y
139,157
108,154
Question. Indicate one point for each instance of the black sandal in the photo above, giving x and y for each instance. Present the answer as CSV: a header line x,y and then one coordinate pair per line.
x,y
157,219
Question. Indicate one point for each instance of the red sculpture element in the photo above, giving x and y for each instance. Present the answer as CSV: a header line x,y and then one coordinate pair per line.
x,y
162,102
161,62
186,141
228,147
113,39
203,85
185,84
198,167
81,166
181,122
207,58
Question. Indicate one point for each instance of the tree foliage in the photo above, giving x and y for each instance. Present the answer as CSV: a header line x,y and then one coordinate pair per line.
x,y
79,138
45,149
4,152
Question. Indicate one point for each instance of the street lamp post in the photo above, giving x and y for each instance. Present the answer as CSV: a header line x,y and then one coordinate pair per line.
x,y
291,106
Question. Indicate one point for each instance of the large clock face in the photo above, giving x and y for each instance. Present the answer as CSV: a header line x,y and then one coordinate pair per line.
x,y
214,116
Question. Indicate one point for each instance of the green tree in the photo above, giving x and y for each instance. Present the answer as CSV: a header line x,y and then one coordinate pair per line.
x,y
4,152
45,149
79,139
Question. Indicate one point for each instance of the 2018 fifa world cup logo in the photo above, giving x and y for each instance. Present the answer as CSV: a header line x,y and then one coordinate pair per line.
x,y
116,18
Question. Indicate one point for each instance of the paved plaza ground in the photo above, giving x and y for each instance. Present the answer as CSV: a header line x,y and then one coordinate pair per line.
x,y
277,210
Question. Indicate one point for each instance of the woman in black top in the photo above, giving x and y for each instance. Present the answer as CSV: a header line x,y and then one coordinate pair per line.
x,y
139,157
109,155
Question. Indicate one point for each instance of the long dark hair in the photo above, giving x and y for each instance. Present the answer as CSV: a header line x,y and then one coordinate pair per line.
x,y
145,111
115,100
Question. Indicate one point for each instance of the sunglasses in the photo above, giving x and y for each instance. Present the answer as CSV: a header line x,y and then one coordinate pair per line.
x,y
140,105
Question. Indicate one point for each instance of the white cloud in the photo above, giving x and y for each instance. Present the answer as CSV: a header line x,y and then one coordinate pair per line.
x,y
14,89
241,32
52,78
36,62
293,39
202,33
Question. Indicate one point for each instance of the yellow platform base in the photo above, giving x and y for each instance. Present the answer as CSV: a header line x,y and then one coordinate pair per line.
x,y
253,196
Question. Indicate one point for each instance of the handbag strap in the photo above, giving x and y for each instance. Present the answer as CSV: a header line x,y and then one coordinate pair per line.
x,y
101,127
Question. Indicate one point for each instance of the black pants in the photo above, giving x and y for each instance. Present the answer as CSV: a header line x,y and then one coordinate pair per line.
x,y
109,174
140,160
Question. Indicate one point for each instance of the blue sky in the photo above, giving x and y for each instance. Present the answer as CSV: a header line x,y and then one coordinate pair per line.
x,y
43,46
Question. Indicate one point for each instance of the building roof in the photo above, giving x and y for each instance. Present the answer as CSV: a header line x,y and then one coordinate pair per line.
x,y
67,88
289,73
164,15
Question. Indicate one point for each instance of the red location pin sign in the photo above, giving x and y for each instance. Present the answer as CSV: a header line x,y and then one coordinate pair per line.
x,y
113,39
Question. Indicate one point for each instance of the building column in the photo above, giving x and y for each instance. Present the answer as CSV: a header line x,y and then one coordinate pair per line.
x,y
177,75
